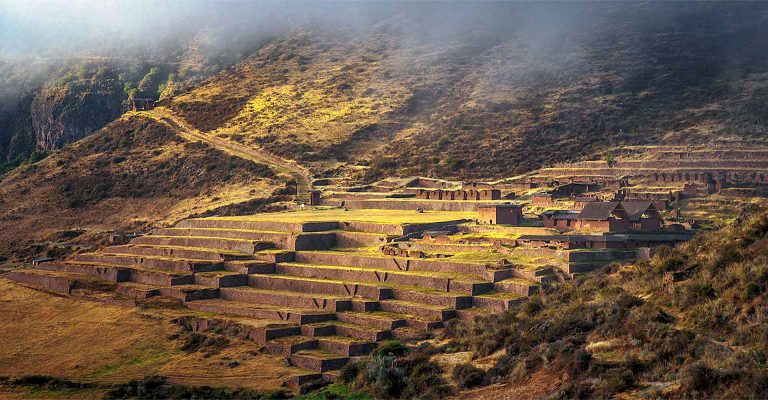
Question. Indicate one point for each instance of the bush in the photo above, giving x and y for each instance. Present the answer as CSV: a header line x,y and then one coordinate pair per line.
x,y
313,385
350,372
468,376
699,377
391,348
157,387
386,379
426,382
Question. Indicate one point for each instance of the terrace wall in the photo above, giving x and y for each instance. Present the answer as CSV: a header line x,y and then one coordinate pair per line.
x,y
396,204
59,284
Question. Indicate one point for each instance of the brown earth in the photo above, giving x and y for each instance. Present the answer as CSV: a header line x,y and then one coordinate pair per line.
x,y
97,343
132,174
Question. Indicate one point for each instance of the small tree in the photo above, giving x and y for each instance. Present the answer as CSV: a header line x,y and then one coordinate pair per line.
x,y
609,158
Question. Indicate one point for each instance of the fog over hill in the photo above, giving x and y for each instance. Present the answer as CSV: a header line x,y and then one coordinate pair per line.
x,y
481,80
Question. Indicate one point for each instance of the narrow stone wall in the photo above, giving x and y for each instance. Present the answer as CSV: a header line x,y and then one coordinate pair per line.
x,y
347,239
257,225
395,204
58,284
394,263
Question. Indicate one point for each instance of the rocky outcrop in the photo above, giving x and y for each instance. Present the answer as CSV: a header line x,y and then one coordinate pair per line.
x,y
63,114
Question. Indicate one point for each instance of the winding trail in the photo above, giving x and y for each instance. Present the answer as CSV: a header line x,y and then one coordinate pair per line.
x,y
300,174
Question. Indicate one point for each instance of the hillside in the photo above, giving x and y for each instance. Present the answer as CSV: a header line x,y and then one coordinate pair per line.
x,y
132,174
497,99
689,323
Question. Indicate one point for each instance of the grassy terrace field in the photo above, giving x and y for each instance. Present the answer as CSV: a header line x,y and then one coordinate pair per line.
x,y
375,216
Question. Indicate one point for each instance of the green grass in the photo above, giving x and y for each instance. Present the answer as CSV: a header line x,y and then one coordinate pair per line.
x,y
335,391
374,216
477,257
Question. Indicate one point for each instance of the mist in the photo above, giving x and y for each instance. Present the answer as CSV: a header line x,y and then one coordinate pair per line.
x,y
59,28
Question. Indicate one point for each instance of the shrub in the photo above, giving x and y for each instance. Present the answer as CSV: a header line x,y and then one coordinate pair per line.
x,y
386,379
350,372
391,348
468,376
313,385
426,382
699,377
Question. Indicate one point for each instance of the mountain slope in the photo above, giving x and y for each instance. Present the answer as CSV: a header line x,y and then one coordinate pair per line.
x,y
495,100
134,173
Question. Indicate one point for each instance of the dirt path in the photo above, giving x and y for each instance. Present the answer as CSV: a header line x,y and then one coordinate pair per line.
x,y
280,165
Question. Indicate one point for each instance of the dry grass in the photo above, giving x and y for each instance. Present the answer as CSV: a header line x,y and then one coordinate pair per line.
x,y
376,216
86,341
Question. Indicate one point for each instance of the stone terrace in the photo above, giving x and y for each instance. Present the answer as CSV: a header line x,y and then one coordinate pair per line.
x,y
316,276
744,163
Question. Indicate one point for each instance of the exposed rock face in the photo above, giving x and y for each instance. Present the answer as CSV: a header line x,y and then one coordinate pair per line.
x,y
61,115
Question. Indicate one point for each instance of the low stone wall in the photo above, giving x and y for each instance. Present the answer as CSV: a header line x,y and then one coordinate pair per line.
x,y
372,275
348,239
182,266
327,303
395,204
257,225
310,286
248,247
372,227
519,288
595,256
40,280
167,252
444,248
148,277
111,274
522,230
534,252
392,263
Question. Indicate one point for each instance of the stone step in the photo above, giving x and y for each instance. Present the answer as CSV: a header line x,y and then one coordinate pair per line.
x,y
433,298
105,272
150,262
346,329
287,299
288,345
498,301
470,314
313,285
262,311
390,263
187,293
521,286
281,240
420,310
373,320
457,283
132,273
243,223
48,280
388,320
137,291
250,267
212,243
318,360
220,279
264,334
346,346
176,252
275,255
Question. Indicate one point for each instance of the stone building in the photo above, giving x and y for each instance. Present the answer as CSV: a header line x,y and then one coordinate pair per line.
x,y
500,214
142,104
644,215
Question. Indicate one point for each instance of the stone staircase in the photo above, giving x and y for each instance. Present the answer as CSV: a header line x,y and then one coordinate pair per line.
x,y
327,304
